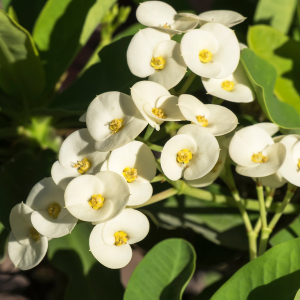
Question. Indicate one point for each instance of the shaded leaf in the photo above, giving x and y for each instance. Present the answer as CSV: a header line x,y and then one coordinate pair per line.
x,y
3,241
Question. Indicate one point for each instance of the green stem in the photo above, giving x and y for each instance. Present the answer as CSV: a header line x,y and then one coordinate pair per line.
x,y
153,147
186,84
158,178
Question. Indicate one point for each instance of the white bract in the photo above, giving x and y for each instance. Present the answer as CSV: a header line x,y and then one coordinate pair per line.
x,y
110,242
50,217
77,156
235,88
216,119
290,169
97,198
228,18
163,17
212,51
136,164
152,53
26,246
192,153
113,121
155,103
254,152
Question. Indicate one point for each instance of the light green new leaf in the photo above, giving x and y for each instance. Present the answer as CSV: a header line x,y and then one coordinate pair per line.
x,y
277,13
297,297
21,72
283,53
88,278
163,273
263,77
274,275
63,27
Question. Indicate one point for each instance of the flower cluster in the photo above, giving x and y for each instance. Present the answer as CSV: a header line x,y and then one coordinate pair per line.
x,y
102,171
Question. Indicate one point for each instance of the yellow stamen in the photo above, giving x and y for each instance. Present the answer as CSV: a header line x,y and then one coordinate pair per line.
x,y
202,120
121,238
159,113
205,56
158,63
130,174
259,158
83,166
96,201
54,210
184,156
34,234
166,26
116,125
298,164
227,85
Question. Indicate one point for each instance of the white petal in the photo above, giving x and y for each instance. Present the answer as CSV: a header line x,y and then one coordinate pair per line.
x,y
276,155
228,54
171,168
242,46
221,120
228,18
20,222
169,104
184,24
140,192
246,142
191,44
147,92
105,166
273,181
140,51
62,176
175,67
111,256
207,153
131,221
26,257
134,155
83,118
155,13
269,127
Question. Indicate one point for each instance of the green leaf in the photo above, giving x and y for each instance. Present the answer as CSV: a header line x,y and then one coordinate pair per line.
x,y
297,297
291,232
279,14
21,72
281,52
111,74
263,77
19,175
63,27
163,273
274,275
88,278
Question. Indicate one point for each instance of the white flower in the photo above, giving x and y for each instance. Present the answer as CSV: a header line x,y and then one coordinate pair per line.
x,y
26,247
110,242
235,88
155,103
254,152
290,169
77,156
136,164
228,18
164,17
97,198
217,119
113,121
83,118
275,180
192,153
152,53
269,127
50,217
212,51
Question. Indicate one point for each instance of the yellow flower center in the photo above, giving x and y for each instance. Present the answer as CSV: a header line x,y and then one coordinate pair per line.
x,y
202,121
96,201
130,174
158,63
298,164
259,158
54,209
159,113
116,125
34,234
205,56
227,85
83,166
121,238
184,156
166,26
